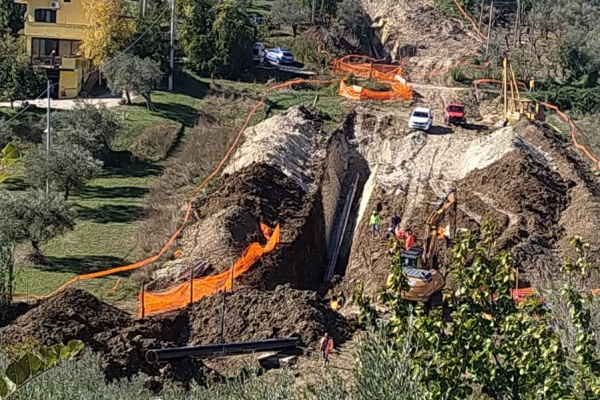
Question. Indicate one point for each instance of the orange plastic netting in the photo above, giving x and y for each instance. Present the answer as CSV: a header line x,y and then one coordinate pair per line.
x,y
367,67
191,291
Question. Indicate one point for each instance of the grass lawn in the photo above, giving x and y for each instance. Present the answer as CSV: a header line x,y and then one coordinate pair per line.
x,y
112,206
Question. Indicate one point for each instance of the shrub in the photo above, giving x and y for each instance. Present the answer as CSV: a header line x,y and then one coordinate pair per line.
x,y
155,143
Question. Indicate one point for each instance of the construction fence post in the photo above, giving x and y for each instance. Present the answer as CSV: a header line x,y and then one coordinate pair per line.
x,y
223,317
143,299
192,285
232,274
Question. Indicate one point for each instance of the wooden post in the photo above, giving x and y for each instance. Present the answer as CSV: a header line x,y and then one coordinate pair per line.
x,y
223,317
192,285
143,300
487,46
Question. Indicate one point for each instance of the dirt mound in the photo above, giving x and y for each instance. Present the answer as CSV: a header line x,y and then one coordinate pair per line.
x,y
525,198
125,355
71,314
285,173
252,315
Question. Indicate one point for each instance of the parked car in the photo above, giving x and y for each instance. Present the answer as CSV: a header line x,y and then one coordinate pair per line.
x,y
421,118
258,53
280,56
455,114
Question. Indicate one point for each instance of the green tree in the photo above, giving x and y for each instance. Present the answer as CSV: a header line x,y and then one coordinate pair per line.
x,y
68,167
91,127
129,73
17,78
290,12
216,38
156,34
11,17
34,216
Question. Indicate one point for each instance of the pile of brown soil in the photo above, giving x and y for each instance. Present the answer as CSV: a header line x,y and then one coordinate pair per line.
x,y
255,315
71,314
525,198
125,354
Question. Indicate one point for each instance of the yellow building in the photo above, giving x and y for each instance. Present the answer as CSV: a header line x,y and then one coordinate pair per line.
x,y
54,30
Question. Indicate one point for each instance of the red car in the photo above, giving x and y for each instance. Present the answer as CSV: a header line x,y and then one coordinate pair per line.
x,y
455,114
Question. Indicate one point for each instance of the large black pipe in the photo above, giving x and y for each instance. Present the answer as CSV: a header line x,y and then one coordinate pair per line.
x,y
226,349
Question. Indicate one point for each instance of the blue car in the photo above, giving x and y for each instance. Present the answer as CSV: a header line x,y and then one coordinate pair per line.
x,y
280,56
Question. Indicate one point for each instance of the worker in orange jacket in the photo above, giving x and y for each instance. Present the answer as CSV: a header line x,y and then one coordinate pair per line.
x,y
326,346
410,240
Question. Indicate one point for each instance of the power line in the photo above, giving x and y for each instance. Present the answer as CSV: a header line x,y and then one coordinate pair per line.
x,y
5,123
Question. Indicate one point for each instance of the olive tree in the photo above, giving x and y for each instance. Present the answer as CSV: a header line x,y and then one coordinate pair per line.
x,y
34,216
68,167
128,73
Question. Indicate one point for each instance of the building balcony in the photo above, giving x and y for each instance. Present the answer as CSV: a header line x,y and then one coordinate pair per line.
x,y
71,63
54,31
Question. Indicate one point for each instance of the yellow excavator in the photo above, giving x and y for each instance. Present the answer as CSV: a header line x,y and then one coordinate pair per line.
x,y
515,106
420,264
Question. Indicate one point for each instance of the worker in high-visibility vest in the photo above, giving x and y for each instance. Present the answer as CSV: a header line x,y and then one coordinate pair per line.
x,y
531,84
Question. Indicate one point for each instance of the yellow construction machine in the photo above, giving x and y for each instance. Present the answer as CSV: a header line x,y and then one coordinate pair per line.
x,y
516,106
420,264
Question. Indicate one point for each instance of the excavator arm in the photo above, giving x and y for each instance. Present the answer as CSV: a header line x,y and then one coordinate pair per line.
x,y
447,204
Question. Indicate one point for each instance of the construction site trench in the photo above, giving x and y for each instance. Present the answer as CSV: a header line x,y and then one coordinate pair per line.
x,y
320,186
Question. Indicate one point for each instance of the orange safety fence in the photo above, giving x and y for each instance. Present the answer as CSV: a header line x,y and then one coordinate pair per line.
x,y
191,291
369,68
189,205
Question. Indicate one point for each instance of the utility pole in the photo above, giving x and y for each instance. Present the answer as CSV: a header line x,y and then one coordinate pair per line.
x,y
48,134
314,11
172,46
143,8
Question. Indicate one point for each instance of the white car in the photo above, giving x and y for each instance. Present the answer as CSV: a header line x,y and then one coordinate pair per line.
x,y
280,56
421,118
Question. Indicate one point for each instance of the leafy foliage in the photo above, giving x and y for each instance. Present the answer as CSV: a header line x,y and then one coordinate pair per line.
x,y
216,38
34,362
130,73
33,216
494,346
290,12
155,44
106,30
91,127
68,167
17,78
11,17
10,155
155,143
